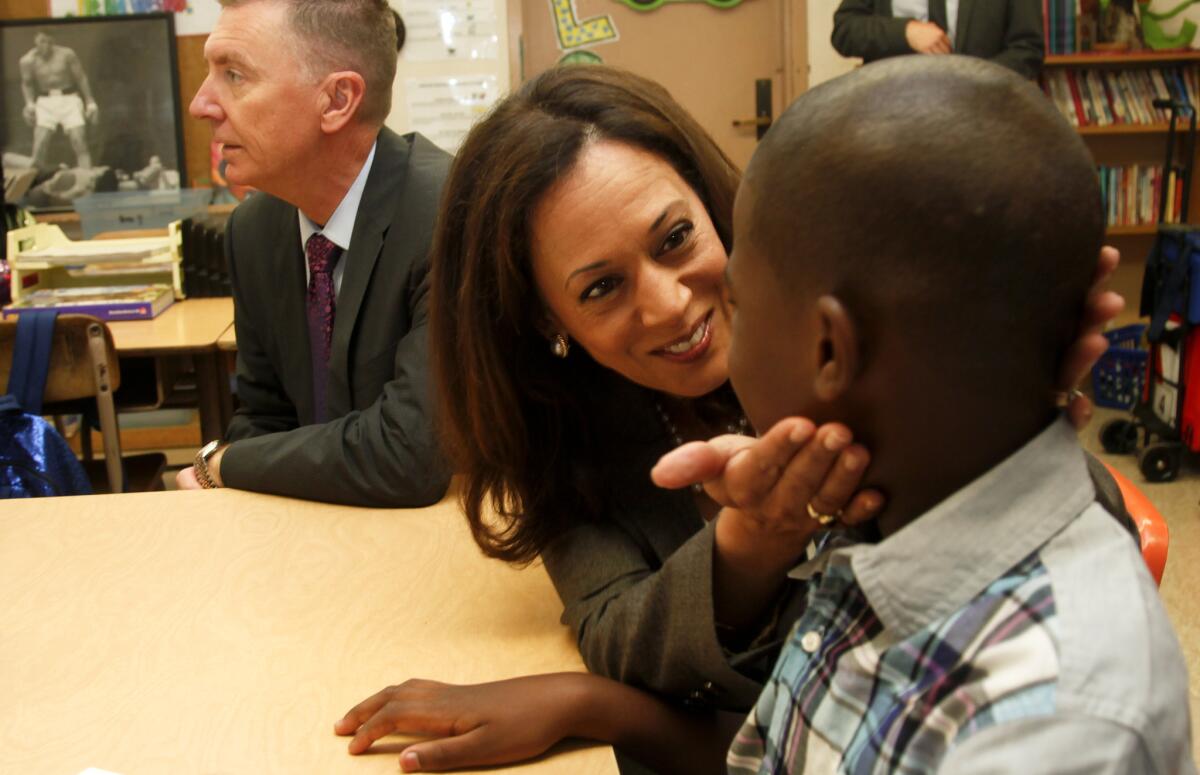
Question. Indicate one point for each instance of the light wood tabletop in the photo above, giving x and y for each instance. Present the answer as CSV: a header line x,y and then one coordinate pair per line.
x,y
188,325
219,631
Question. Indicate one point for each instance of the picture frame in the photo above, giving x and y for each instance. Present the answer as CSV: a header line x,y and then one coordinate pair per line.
x,y
105,110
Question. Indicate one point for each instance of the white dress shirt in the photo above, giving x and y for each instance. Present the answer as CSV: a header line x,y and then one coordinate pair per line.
x,y
341,224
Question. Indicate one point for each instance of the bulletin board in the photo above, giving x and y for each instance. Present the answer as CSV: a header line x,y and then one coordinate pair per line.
x,y
455,65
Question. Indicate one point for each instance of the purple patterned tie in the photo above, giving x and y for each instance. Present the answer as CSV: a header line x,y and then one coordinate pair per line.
x,y
322,255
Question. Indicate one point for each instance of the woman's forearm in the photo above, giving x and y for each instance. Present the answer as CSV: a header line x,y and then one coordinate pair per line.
x,y
659,734
749,570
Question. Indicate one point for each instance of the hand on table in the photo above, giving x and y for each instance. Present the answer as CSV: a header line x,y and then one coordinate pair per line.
x,y
1102,307
471,726
927,38
186,479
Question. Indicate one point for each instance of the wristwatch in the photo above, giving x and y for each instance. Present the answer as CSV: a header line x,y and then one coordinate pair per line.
x,y
201,464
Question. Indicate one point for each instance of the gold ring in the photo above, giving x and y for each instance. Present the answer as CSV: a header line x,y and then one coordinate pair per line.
x,y
823,519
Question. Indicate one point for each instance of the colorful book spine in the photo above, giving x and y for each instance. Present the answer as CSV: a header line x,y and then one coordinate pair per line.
x,y
1132,194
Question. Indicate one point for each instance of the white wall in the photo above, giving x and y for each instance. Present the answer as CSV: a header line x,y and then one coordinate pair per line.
x,y
824,63
406,68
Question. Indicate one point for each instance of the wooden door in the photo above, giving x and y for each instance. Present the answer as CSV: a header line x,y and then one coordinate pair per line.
x,y
709,58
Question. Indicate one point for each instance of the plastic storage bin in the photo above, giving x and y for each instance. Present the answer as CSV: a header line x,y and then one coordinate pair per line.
x,y
1120,374
124,210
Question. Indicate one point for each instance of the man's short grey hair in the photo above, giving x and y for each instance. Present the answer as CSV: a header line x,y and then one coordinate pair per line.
x,y
334,35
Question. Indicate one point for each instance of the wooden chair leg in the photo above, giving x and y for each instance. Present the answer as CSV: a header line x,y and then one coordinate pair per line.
x,y
110,431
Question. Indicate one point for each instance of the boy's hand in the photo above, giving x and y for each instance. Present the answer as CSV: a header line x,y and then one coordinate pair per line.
x,y
1102,307
471,726
771,481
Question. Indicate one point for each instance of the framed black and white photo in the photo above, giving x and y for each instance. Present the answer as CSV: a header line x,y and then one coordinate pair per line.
x,y
91,104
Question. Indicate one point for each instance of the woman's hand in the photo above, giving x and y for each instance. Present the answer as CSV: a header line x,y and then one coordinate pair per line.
x,y
767,486
471,726
517,719
1102,306
771,480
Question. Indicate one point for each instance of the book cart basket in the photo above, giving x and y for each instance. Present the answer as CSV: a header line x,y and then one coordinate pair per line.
x,y
1165,421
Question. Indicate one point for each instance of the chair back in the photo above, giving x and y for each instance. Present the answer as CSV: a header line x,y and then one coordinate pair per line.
x,y
83,364
1152,528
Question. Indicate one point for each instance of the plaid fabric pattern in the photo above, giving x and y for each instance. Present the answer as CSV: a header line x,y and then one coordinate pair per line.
x,y
848,697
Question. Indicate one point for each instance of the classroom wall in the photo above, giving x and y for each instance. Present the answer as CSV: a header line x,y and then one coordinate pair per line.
x,y
823,62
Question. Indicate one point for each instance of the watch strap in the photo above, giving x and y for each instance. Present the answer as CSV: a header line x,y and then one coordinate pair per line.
x,y
200,466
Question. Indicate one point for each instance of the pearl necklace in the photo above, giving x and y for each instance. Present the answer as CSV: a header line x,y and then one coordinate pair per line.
x,y
739,426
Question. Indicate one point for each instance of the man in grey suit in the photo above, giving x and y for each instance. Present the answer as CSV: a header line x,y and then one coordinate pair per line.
x,y
1008,32
328,262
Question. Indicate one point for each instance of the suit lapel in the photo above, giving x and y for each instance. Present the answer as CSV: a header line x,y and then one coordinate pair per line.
x,y
963,23
293,296
376,212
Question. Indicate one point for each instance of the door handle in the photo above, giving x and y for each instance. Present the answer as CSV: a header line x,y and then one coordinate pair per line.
x,y
762,109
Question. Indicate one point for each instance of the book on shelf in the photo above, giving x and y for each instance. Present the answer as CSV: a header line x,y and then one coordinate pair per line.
x,y
1132,195
1061,26
108,302
1105,97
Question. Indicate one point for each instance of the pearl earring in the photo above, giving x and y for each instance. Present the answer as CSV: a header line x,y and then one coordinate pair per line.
x,y
560,345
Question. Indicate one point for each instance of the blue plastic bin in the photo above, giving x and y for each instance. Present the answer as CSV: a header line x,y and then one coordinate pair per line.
x,y
1120,374
124,210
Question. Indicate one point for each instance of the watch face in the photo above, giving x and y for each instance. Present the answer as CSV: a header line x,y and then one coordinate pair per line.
x,y
209,448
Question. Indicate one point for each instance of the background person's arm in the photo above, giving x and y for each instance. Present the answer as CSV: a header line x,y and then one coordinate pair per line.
x,y
859,31
385,455
1024,45
263,405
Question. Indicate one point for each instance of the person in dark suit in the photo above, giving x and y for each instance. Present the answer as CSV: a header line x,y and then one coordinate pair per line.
x,y
1008,32
328,263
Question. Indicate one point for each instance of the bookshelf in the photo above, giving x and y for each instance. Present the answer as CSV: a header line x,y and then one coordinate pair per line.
x,y
1127,59
1127,139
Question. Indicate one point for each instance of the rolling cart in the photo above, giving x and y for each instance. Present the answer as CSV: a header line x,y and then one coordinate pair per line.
x,y
1165,423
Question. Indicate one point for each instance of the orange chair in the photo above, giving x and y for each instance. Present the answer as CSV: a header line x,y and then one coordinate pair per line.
x,y
1151,527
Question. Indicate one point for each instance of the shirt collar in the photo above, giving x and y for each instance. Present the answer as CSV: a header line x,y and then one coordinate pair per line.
x,y
341,224
937,563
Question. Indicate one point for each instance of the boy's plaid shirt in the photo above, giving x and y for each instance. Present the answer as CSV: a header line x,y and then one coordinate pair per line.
x,y
1000,632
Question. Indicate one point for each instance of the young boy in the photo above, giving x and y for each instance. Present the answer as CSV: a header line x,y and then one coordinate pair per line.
x,y
915,241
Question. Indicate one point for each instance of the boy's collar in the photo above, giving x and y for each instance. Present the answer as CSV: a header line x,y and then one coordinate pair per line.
x,y
941,560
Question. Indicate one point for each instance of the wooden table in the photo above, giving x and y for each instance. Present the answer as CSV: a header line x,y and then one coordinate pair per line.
x,y
189,327
227,342
221,631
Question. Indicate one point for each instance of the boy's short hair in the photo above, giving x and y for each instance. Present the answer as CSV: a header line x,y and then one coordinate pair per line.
x,y
942,191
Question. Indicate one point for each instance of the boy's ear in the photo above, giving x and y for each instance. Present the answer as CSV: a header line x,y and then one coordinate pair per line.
x,y
838,357
341,97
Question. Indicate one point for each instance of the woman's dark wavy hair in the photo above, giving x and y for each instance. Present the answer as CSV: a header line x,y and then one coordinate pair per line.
x,y
515,421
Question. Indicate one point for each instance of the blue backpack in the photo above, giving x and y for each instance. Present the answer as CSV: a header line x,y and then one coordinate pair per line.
x,y
35,460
